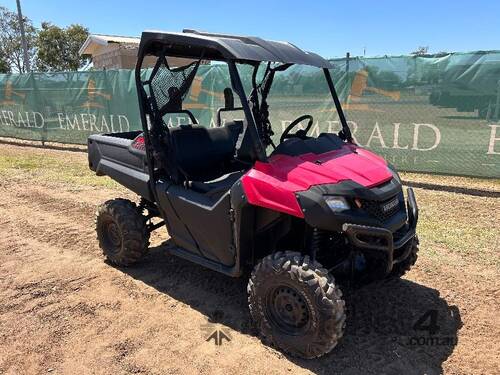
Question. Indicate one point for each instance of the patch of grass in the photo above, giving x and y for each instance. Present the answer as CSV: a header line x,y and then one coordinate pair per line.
x,y
45,167
467,226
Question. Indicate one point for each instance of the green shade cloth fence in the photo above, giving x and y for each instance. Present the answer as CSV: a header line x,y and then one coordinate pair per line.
x,y
437,114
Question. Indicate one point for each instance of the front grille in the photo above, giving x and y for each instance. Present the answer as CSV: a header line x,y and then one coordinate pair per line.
x,y
376,208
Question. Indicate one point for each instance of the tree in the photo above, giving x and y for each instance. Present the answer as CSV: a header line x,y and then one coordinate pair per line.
x,y
10,40
58,47
421,51
4,65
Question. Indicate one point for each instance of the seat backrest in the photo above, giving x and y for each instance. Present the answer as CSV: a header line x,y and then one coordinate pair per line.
x,y
202,153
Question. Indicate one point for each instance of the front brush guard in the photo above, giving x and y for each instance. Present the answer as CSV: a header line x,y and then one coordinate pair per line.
x,y
381,239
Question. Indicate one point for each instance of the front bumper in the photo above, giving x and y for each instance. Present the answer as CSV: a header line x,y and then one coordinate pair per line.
x,y
382,240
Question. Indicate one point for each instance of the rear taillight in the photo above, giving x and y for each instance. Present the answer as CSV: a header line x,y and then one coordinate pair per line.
x,y
138,143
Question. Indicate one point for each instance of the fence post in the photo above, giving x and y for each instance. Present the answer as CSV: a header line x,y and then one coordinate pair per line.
x,y
347,57
497,106
347,79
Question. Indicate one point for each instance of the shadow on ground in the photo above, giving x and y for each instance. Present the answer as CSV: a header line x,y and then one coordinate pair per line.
x,y
382,334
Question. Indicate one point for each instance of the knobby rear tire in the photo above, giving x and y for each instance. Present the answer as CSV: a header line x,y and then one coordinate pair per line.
x,y
121,231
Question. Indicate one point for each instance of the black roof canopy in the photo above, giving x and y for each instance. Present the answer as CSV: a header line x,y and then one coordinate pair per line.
x,y
195,44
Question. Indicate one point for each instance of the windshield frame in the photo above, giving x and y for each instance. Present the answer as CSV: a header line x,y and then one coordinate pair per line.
x,y
257,101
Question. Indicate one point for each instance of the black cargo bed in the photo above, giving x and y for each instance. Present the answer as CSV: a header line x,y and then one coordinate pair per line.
x,y
112,155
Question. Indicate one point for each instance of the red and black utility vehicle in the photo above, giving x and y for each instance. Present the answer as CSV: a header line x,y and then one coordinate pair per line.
x,y
298,217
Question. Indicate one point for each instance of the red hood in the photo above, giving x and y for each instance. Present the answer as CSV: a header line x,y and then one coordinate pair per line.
x,y
274,184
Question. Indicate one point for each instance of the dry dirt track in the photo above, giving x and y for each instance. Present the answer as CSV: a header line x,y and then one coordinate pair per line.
x,y
64,310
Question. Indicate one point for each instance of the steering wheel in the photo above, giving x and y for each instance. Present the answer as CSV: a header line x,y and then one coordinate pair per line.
x,y
300,133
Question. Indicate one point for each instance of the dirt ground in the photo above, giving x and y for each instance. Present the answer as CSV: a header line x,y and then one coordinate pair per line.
x,y
63,310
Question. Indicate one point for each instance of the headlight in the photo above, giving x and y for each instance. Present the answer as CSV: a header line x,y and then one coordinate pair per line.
x,y
337,204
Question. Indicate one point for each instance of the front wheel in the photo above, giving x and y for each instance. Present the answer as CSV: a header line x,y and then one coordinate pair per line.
x,y
296,304
399,269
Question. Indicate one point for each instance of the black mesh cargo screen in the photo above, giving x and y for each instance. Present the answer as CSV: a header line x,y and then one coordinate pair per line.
x,y
164,91
168,87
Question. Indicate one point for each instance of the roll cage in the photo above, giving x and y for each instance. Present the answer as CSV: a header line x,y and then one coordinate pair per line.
x,y
166,88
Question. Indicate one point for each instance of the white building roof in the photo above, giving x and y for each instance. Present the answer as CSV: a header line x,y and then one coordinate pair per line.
x,y
96,41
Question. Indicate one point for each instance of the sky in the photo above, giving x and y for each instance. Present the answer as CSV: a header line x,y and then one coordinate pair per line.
x,y
330,28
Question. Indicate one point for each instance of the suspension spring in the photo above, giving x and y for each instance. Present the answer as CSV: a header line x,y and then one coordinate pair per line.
x,y
318,241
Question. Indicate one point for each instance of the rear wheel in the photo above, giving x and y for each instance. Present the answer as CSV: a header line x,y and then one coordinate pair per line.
x,y
121,231
296,304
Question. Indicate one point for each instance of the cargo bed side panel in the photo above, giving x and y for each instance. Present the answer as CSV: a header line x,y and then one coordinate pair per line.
x,y
114,157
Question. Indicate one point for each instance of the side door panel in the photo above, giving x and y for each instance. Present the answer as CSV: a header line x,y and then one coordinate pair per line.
x,y
197,223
